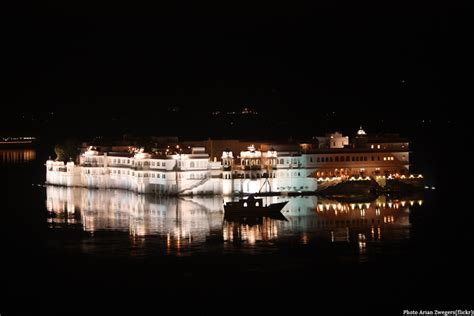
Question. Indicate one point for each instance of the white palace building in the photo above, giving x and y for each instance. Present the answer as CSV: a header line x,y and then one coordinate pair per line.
x,y
191,172
209,167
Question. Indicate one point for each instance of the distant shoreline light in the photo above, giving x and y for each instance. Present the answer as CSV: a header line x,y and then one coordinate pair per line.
x,y
17,140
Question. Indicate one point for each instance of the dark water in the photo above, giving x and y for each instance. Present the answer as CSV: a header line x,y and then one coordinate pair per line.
x,y
145,226
68,248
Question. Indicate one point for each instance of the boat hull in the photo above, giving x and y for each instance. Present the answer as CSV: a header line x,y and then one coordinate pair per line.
x,y
254,211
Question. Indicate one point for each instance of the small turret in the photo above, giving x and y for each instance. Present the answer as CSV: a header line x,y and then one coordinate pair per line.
x,y
361,132
227,163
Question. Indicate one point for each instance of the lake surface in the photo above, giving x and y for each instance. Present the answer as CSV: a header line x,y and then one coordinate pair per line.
x,y
145,225
65,246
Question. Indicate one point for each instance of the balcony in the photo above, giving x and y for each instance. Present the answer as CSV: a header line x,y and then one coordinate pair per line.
x,y
119,165
91,164
256,167
140,167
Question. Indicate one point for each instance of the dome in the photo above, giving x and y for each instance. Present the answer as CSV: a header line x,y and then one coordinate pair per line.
x,y
227,154
91,151
361,131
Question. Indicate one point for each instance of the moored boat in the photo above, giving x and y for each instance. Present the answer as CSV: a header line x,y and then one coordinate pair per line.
x,y
252,207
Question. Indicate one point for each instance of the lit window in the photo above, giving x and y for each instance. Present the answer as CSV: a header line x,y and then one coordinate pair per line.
x,y
384,158
378,146
372,146
245,204
257,204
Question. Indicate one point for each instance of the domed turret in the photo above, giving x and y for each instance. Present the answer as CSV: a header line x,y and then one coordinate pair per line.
x,y
91,151
227,159
361,132
227,154
141,154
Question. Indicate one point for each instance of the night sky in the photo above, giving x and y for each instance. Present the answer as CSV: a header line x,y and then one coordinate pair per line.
x,y
82,69
113,68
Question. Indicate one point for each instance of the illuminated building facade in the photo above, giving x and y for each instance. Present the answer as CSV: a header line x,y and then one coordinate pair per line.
x,y
221,167
334,155
188,171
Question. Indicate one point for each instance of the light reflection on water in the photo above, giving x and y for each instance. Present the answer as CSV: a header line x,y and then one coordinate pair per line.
x,y
187,225
9,156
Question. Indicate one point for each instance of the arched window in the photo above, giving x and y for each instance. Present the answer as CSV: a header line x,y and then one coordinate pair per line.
x,y
245,204
191,165
257,204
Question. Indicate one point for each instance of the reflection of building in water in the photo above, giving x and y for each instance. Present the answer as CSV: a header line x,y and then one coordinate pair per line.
x,y
181,223
17,155
265,229
345,221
